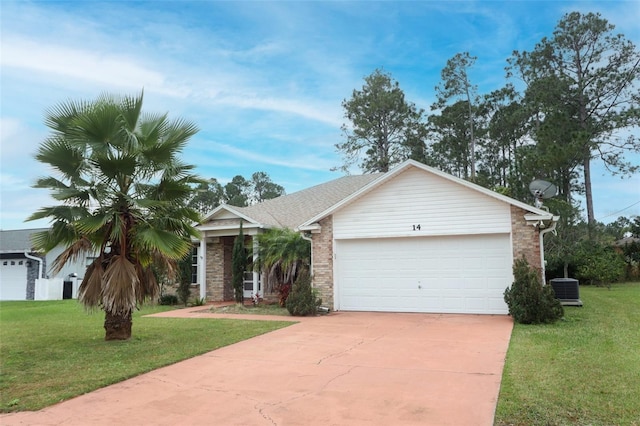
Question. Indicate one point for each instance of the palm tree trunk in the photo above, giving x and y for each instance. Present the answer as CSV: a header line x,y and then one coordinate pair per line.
x,y
117,326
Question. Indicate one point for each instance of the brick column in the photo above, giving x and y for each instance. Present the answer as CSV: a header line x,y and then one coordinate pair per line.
x,y
214,266
526,238
323,261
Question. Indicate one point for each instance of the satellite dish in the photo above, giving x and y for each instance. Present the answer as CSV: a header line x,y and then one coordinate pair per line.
x,y
541,190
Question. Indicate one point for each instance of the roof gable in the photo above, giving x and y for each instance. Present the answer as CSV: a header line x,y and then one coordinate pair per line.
x,y
309,224
291,210
303,209
17,241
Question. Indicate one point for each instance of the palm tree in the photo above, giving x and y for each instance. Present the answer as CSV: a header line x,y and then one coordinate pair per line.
x,y
283,254
123,193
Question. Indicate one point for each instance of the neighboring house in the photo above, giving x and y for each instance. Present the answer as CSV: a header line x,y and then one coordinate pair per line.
x,y
21,265
414,239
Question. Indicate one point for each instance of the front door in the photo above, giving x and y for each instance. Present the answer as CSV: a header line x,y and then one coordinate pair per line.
x,y
249,285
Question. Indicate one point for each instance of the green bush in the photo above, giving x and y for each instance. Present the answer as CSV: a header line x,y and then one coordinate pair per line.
x,y
168,299
199,301
184,275
631,255
528,300
599,264
302,300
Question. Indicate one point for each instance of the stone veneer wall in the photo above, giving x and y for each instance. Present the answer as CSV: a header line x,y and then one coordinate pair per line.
x,y
214,275
32,274
526,238
219,273
323,261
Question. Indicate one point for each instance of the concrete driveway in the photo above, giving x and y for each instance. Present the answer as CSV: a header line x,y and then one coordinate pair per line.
x,y
347,368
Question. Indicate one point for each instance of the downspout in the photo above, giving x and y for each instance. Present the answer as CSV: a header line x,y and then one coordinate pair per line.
x,y
305,237
554,222
38,259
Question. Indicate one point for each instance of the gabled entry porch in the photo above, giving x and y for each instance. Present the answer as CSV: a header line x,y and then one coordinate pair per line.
x,y
215,255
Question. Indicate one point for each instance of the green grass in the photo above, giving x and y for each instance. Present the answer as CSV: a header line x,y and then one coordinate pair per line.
x,y
583,370
53,351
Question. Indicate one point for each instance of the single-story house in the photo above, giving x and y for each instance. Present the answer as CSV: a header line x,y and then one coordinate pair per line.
x,y
21,265
414,239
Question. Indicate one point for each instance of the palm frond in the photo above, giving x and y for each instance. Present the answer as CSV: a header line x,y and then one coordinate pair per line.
x,y
282,252
73,252
59,154
148,288
59,234
112,167
151,129
60,117
81,196
90,290
166,243
63,213
99,128
131,109
50,183
119,229
179,132
94,223
120,281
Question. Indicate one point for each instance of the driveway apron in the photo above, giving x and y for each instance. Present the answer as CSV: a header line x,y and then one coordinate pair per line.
x,y
346,368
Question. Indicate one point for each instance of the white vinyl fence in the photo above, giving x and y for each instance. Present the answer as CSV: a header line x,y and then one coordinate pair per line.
x,y
51,289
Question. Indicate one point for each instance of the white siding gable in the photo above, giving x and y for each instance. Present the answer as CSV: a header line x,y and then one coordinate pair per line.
x,y
225,214
416,197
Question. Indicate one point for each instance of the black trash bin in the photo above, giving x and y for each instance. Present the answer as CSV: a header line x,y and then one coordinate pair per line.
x,y
567,291
67,290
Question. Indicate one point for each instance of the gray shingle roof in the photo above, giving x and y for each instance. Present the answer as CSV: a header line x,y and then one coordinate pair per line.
x,y
17,241
294,209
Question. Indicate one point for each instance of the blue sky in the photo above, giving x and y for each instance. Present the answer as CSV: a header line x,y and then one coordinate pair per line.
x,y
263,80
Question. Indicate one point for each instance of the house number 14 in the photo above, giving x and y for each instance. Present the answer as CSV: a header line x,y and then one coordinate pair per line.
x,y
416,227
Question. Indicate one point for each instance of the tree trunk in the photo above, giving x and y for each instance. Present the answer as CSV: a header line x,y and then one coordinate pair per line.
x,y
588,195
117,326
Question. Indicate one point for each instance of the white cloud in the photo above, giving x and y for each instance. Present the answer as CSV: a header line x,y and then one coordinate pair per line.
x,y
305,161
29,55
289,106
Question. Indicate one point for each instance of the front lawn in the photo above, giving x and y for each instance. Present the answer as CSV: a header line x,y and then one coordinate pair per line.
x,y
52,351
583,370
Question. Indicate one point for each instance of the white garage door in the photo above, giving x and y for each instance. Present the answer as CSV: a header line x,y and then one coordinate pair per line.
x,y
453,274
13,279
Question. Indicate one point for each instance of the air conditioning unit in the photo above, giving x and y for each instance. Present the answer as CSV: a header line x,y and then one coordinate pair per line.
x,y
567,291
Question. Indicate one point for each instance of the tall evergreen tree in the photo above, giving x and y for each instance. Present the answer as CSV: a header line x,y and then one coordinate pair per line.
x,y
596,74
383,125
237,192
263,188
207,196
456,86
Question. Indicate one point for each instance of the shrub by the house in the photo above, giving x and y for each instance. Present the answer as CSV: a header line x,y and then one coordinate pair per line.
x,y
302,300
528,300
184,275
168,299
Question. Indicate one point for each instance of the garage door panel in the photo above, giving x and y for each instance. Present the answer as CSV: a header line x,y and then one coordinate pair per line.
x,y
454,274
13,279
